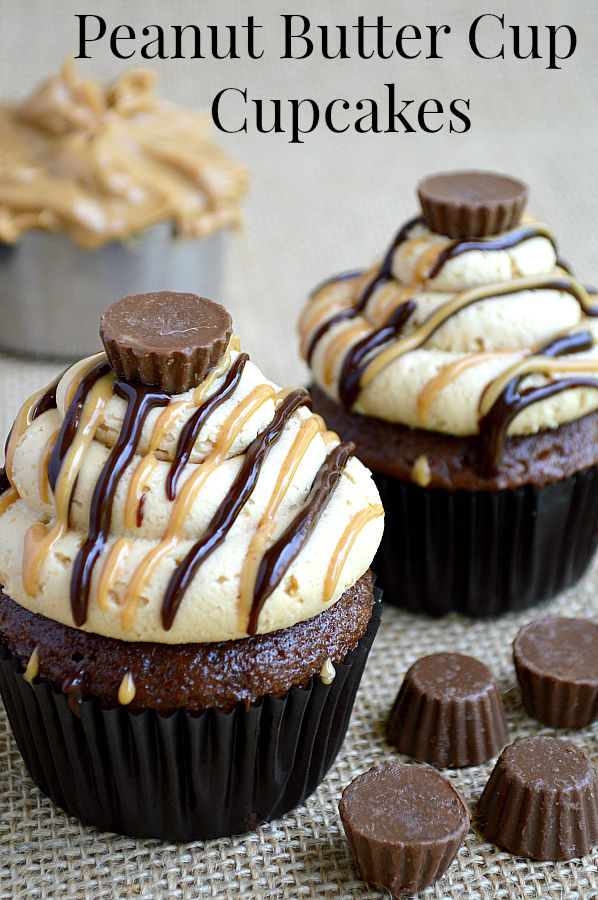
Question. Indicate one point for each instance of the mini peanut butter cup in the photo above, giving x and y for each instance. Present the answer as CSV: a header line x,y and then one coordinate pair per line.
x,y
556,660
541,800
448,712
404,825
471,204
165,338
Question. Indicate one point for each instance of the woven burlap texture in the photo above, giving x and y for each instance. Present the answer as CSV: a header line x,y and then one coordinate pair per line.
x,y
329,204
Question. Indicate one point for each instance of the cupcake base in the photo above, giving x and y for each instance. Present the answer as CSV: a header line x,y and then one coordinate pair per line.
x,y
487,548
182,777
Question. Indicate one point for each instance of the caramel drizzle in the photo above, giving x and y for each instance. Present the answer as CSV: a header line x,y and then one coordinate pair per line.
x,y
499,410
281,554
188,494
345,545
32,669
141,398
126,690
238,495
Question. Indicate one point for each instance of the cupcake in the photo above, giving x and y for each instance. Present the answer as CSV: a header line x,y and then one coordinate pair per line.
x,y
187,605
104,188
464,366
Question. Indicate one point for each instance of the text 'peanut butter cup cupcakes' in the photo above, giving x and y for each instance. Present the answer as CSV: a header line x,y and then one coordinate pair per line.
x,y
448,712
541,800
464,366
404,825
187,605
556,660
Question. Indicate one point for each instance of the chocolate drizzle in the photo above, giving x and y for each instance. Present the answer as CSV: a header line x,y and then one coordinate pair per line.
x,y
237,497
281,554
70,423
352,370
500,242
383,275
494,425
192,427
140,399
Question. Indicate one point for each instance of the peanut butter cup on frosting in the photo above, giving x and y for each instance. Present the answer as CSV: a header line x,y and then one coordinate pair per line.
x,y
178,571
464,366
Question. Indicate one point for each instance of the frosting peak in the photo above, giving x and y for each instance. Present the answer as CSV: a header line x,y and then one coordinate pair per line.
x,y
206,515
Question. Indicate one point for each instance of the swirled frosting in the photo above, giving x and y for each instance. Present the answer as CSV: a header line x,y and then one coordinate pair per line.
x,y
444,335
203,516
102,163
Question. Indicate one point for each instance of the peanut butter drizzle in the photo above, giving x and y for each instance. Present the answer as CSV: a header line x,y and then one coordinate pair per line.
x,y
32,670
141,399
345,544
40,539
126,690
450,373
42,467
461,300
186,497
191,429
540,365
102,163
339,345
7,498
258,543
39,403
277,559
236,498
137,486
327,672
109,572
421,473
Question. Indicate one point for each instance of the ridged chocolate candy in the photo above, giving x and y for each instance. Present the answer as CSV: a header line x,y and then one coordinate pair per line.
x,y
557,667
404,825
448,712
541,800
165,338
471,204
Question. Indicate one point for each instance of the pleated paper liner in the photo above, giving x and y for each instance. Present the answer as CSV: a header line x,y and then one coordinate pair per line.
x,y
183,777
485,553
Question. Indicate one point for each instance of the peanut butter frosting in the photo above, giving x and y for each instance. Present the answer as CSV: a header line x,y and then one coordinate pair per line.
x,y
209,515
463,336
103,162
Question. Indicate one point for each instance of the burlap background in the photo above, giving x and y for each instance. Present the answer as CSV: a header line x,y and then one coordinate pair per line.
x,y
330,203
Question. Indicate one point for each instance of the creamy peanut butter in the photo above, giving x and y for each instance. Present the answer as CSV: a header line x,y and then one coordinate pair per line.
x,y
103,162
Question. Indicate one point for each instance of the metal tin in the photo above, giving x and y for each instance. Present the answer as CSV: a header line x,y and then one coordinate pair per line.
x,y
52,293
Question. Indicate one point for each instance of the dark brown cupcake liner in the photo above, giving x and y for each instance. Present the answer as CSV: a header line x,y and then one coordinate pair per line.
x,y
541,800
559,700
485,553
451,730
183,777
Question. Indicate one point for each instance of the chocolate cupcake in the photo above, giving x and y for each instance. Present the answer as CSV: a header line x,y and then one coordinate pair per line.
x,y
464,366
105,188
187,604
